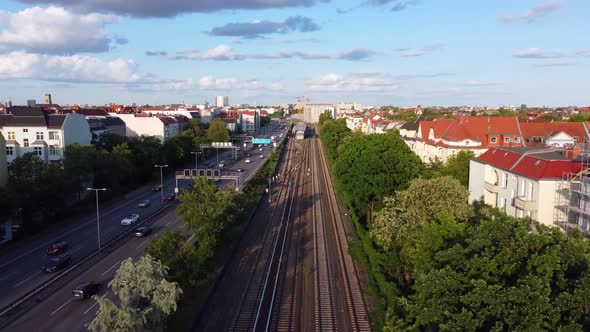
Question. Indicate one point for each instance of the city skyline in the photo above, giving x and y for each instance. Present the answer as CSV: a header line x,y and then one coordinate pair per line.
x,y
375,52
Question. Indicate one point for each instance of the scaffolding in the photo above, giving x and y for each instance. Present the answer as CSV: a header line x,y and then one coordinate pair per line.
x,y
572,199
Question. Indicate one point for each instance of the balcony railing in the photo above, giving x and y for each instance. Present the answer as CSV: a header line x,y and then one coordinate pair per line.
x,y
524,204
493,188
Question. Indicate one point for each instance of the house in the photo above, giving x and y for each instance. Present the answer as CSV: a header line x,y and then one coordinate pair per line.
x,y
46,135
3,163
142,124
354,121
522,181
553,133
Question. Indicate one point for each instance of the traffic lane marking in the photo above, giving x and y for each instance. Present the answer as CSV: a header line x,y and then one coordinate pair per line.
x,y
8,275
61,306
144,242
93,305
110,268
26,279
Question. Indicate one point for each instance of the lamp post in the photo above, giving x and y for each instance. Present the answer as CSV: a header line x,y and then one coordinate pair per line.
x,y
96,190
217,156
161,182
196,153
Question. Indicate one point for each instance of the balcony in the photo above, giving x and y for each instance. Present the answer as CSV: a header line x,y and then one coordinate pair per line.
x,y
524,204
493,188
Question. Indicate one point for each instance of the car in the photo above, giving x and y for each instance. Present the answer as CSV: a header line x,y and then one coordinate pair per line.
x,y
143,231
240,170
130,219
169,198
221,165
56,263
144,203
156,188
248,160
261,156
57,247
85,290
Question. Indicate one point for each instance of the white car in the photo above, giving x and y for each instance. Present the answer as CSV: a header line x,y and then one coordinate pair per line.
x,y
130,219
261,156
144,203
248,160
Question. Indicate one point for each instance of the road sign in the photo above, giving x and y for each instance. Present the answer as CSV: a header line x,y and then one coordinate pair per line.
x,y
261,141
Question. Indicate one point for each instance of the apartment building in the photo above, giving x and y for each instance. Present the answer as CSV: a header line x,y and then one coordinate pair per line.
x,y
312,112
142,124
46,135
3,163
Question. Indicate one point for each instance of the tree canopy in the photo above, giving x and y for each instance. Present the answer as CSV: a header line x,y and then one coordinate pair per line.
x,y
333,132
217,131
456,166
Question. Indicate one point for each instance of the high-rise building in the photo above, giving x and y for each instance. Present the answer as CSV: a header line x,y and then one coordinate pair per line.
x,y
47,98
221,101
31,102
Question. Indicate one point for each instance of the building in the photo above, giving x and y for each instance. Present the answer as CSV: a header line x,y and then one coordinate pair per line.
x,y
31,103
347,108
101,122
522,181
142,124
312,112
3,162
47,99
250,121
221,101
46,135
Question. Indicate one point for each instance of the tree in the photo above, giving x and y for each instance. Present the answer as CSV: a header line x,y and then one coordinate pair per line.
x,y
408,211
334,132
457,166
371,167
550,117
217,131
78,161
324,117
146,298
166,247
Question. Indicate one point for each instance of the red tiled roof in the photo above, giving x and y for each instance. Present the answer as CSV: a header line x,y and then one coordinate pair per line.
x,y
92,112
546,129
167,120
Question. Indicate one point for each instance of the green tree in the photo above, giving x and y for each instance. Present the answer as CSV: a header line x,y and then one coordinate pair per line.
x,y
78,161
371,167
324,117
217,131
166,247
457,166
550,117
146,298
579,118
333,134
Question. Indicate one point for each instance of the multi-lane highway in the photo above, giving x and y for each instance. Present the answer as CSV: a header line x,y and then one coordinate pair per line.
x,y
21,265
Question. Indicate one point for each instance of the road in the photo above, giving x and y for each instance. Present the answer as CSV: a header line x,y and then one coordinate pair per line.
x,y
56,308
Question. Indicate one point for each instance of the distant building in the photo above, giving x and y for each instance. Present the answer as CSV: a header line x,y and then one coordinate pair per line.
x,y
42,133
31,103
142,124
47,99
312,112
3,163
221,101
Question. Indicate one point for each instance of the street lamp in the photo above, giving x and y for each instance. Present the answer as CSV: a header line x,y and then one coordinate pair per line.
x,y
196,153
96,190
161,182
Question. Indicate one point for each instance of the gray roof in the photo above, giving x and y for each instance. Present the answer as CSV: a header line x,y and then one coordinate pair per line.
x,y
31,117
113,121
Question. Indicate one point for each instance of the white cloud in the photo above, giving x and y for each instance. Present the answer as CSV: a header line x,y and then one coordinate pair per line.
x,y
421,51
537,53
231,83
369,83
54,30
76,68
535,14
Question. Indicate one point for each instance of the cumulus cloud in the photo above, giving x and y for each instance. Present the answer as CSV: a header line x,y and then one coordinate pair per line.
x,y
372,82
209,82
258,29
535,14
121,41
583,53
405,52
156,53
54,30
75,68
170,8
537,53
396,5
227,53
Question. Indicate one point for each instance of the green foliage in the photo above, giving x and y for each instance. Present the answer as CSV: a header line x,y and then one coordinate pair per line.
x,y
550,117
278,114
217,131
457,166
145,297
334,133
504,112
325,117
579,118
264,120
166,247
371,167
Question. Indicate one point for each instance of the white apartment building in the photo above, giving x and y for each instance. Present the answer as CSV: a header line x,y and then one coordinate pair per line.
x,y
354,122
312,112
221,101
46,135
521,181
142,124
250,120
3,163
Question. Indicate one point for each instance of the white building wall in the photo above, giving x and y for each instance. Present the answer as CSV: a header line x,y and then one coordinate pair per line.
x,y
3,164
75,130
476,180
139,126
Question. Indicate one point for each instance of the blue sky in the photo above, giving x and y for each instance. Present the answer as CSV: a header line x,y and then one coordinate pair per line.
x,y
377,52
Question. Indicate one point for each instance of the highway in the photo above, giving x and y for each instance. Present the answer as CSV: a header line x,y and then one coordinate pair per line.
x,y
58,311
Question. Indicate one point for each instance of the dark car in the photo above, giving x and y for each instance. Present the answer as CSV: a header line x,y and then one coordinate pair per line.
x,y
169,198
156,188
86,290
143,231
57,247
56,263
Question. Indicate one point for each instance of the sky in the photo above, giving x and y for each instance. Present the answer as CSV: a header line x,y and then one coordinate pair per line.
x,y
269,52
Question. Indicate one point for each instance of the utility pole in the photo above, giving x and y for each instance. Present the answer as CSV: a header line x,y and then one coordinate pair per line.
x,y
196,153
96,190
161,182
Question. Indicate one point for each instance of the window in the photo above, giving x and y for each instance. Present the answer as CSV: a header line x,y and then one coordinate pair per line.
x,y
25,130
40,135
9,151
11,135
494,140
506,139
504,180
530,192
26,142
521,188
516,139
53,135
38,151
519,213
53,150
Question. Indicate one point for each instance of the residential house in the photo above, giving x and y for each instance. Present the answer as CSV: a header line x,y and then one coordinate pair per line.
x,y
46,135
522,181
354,121
3,163
142,124
553,133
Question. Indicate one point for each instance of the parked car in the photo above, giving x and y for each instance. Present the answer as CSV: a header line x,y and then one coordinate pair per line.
x,y
240,170
56,263
248,160
144,203
86,290
261,156
169,197
130,219
221,165
57,247
156,188
143,231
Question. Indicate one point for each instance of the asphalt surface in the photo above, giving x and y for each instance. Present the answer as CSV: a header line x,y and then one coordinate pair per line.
x,y
21,265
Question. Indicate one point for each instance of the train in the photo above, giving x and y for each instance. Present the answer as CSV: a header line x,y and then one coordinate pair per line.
x,y
299,131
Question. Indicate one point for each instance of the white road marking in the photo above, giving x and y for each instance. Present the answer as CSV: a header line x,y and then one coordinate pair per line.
x,y
144,242
8,275
168,223
61,306
110,268
92,306
73,251
26,279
